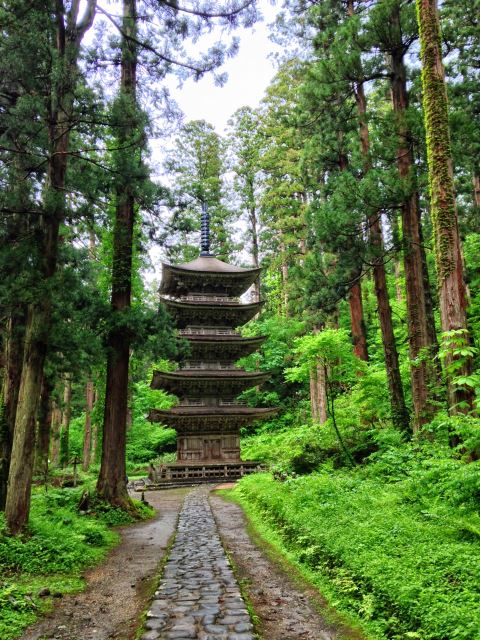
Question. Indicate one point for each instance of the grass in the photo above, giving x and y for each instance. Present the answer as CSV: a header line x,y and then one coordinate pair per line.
x,y
48,560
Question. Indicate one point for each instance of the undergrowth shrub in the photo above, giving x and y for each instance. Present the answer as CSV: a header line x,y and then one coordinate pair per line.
x,y
397,548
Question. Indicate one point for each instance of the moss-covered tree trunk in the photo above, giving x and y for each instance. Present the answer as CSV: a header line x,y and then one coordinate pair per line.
x,y
420,347
111,485
452,293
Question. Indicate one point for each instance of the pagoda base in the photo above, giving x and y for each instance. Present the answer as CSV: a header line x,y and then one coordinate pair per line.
x,y
179,473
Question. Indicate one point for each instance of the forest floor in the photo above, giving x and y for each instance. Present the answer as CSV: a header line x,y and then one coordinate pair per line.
x,y
119,590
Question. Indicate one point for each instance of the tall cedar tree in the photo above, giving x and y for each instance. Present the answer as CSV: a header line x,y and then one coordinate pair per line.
x,y
69,33
397,399
420,323
443,205
111,484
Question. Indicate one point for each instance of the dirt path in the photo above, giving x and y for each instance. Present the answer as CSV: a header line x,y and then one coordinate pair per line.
x,y
287,611
118,589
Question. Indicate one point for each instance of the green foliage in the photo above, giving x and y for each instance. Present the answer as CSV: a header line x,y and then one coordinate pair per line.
x,y
392,544
146,440
59,544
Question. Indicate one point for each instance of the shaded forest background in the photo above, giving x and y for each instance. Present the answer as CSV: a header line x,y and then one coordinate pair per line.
x,y
360,198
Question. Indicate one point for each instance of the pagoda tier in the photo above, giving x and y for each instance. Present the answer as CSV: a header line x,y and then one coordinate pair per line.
x,y
214,311
206,274
227,346
207,382
203,420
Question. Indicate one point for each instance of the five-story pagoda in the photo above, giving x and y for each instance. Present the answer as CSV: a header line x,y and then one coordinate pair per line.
x,y
203,297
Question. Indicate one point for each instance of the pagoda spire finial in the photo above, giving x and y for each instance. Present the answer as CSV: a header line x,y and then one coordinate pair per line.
x,y
205,231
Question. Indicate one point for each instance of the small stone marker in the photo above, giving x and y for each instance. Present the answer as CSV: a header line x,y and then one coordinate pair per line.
x,y
198,596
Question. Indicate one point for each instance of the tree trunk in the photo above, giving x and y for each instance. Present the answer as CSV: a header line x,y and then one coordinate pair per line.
x,y
10,387
87,433
66,415
64,74
313,395
443,203
55,434
422,373
44,422
322,407
17,505
111,484
255,247
357,324
400,417
476,189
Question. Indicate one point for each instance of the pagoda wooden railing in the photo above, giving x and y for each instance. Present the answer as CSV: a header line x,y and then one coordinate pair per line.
x,y
208,365
200,402
208,332
204,298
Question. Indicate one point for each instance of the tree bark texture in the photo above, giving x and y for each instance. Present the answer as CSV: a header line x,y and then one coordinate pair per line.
x,y
55,434
44,422
13,358
17,505
64,74
448,258
322,407
65,429
422,372
400,417
111,485
476,189
87,432
357,324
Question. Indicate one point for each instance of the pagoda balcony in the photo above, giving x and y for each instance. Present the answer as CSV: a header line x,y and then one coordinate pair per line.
x,y
207,298
221,346
204,402
208,331
211,364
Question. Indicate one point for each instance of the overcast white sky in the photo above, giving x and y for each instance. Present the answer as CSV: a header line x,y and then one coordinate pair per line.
x,y
249,73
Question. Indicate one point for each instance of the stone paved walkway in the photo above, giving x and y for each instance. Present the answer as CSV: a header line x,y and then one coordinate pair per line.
x,y
198,596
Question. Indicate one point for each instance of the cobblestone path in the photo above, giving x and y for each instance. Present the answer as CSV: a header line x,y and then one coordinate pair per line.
x,y
198,596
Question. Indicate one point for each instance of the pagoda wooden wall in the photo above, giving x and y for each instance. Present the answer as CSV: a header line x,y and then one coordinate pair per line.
x,y
208,448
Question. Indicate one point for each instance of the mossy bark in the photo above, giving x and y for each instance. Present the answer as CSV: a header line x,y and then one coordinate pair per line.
x,y
448,258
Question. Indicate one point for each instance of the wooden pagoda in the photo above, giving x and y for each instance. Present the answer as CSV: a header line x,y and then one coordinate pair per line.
x,y
203,297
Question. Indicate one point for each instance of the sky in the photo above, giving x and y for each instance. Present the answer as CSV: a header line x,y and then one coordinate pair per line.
x,y
249,74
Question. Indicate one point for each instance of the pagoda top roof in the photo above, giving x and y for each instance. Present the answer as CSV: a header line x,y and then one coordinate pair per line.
x,y
206,274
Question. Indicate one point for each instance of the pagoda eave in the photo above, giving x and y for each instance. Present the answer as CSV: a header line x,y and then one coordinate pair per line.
x,y
206,274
